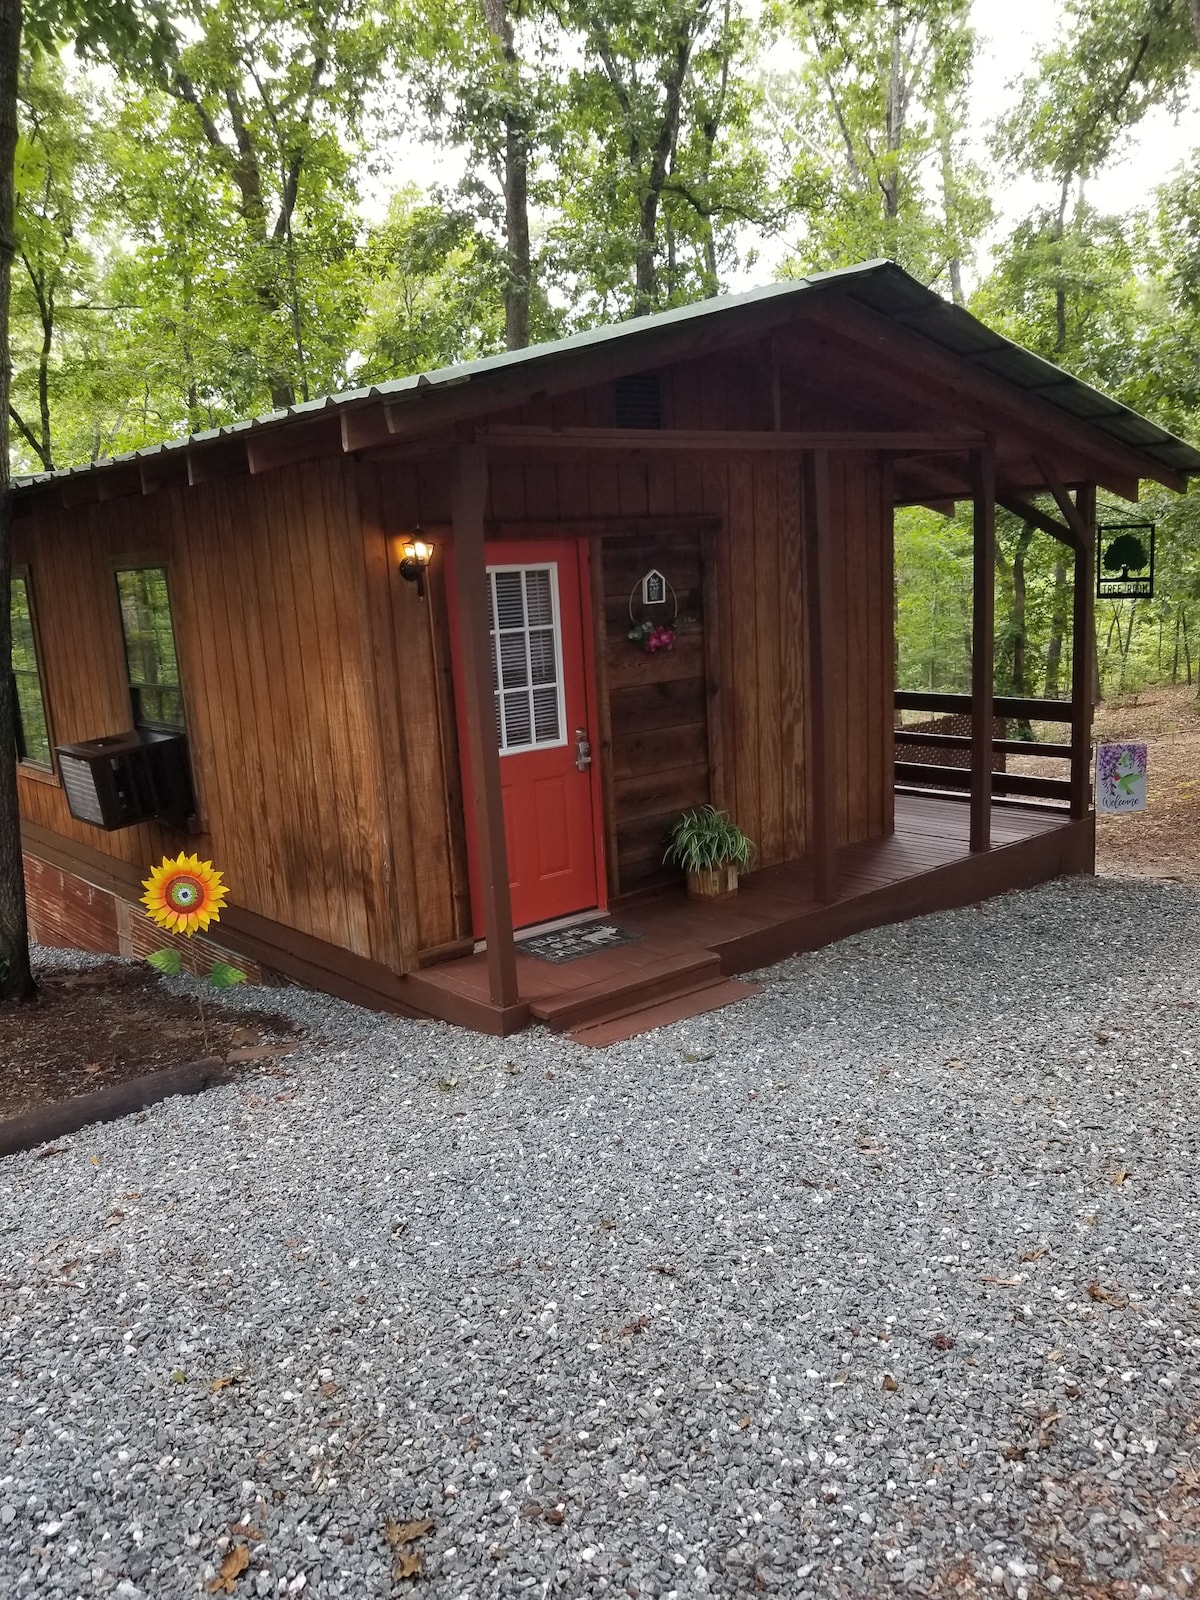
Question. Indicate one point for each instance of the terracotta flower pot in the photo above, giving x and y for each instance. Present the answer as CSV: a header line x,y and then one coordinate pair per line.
x,y
715,883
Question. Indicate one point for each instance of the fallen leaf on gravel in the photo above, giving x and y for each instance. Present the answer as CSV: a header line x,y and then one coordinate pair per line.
x,y
406,1565
1055,1355
245,1036
942,1341
889,1383
329,1390
1119,1177
663,1267
607,1222
533,1511
54,1150
246,1529
95,1161
1108,1297
260,1052
1004,1283
179,1377
1014,1452
638,1325
234,1563
555,1515
401,1533
93,1066
223,1383
744,1422
446,1084
1035,1254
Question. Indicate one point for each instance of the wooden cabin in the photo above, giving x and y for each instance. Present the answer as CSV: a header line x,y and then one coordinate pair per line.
x,y
391,808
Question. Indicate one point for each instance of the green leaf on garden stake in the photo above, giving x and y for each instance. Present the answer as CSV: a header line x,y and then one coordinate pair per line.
x,y
167,961
223,976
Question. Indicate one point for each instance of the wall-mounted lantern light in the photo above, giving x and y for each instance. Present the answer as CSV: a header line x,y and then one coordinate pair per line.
x,y
417,553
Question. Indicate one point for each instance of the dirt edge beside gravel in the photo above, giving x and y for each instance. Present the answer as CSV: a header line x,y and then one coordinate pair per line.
x,y
63,1117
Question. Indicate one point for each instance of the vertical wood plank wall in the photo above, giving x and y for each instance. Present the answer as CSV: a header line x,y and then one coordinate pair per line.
x,y
657,706
319,688
284,673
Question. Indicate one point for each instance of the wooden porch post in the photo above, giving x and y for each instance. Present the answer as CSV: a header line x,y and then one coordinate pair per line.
x,y
1083,650
822,673
983,645
468,496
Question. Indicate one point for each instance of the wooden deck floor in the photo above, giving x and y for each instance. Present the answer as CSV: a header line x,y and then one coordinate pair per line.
x,y
924,866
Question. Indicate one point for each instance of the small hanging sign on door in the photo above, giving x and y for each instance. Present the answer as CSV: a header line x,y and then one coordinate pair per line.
x,y
1121,777
654,588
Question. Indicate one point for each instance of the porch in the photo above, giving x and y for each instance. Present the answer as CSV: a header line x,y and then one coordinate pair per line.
x,y
686,956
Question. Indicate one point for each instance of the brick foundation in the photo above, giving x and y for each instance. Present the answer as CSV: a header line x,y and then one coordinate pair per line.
x,y
67,911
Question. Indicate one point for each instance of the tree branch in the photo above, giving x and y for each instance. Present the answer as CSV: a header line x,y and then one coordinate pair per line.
x,y
26,433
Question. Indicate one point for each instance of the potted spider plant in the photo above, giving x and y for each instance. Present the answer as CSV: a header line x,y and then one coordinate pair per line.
x,y
712,850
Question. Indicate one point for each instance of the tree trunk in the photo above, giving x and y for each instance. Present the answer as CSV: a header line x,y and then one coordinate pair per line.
x,y
1187,650
16,981
1059,617
646,276
518,262
47,314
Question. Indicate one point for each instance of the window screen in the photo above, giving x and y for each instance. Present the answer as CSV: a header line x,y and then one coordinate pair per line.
x,y
526,660
33,729
151,661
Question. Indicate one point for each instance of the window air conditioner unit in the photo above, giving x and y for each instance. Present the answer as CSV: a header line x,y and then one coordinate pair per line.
x,y
128,777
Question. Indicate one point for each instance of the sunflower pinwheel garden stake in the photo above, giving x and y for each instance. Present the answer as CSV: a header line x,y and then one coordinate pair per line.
x,y
183,895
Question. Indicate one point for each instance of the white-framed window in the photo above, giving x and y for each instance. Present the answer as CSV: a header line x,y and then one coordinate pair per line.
x,y
527,676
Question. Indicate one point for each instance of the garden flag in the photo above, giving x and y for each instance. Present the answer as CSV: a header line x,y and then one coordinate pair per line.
x,y
1121,777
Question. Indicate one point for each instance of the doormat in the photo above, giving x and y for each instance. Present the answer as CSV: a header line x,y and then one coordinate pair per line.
x,y
569,944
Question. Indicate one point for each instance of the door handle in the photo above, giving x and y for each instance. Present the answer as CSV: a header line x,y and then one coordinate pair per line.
x,y
583,750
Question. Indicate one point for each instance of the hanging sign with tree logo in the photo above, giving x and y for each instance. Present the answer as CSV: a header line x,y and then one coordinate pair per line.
x,y
1125,561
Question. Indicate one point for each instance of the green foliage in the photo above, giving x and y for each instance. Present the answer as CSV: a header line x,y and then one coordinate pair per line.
x,y
223,976
706,838
881,103
168,961
435,292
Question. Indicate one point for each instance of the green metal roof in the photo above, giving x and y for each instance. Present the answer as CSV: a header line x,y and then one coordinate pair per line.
x,y
880,285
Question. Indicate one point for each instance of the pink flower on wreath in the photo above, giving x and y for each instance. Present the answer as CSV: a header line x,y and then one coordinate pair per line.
x,y
660,639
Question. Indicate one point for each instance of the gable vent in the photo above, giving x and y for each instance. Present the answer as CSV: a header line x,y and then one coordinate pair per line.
x,y
639,401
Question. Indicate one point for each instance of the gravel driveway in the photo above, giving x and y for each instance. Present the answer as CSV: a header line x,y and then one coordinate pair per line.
x,y
883,1282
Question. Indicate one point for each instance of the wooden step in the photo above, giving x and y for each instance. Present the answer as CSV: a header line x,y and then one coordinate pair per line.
x,y
627,989
628,1024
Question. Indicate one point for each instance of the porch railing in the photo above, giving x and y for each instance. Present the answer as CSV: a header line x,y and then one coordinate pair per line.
x,y
929,774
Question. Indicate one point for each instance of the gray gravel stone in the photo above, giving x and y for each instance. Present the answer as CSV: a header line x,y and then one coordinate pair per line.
x,y
882,1282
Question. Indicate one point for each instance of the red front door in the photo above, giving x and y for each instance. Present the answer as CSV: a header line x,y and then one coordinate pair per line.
x,y
536,626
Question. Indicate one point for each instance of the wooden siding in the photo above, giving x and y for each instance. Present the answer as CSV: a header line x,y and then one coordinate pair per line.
x,y
658,745
285,680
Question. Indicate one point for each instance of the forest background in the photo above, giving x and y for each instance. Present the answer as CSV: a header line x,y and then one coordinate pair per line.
x,y
225,206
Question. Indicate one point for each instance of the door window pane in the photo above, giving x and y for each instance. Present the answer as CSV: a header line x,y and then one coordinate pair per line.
x,y
526,657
